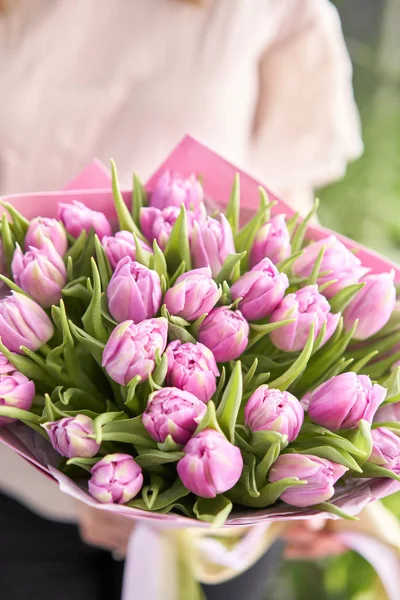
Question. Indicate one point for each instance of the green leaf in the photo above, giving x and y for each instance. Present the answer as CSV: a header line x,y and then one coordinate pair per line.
x,y
165,498
228,268
334,510
301,229
284,381
103,419
179,271
269,494
266,462
209,421
77,247
229,406
20,224
160,372
92,319
159,263
77,289
257,332
19,414
103,264
125,219
250,374
316,267
151,458
261,441
285,265
177,248
361,438
340,300
233,208
8,241
168,445
175,332
150,492
95,347
371,470
358,366
84,463
245,237
392,384
13,286
28,368
129,431
213,510
221,382
335,455
132,402
195,326
138,199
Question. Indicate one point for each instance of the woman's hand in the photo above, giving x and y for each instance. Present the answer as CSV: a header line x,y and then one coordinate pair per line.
x,y
311,540
104,529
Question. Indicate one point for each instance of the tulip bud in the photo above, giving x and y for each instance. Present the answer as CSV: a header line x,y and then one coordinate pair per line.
x,y
225,332
388,413
372,306
337,263
174,190
116,478
23,323
306,306
272,241
386,449
76,217
192,367
173,412
261,290
121,245
342,401
131,349
211,464
157,224
40,273
273,410
70,437
5,366
42,229
134,292
16,391
212,242
319,474
193,294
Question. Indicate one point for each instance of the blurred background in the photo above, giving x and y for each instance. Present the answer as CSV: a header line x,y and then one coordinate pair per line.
x,y
365,206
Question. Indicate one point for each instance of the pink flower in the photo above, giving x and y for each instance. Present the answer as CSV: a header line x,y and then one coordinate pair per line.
x,y
42,229
212,242
77,217
157,224
131,349
23,323
121,245
116,478
134,292
274,410
225,332
261,290
386,449
272,241
306,306
192,367
172,412
16,391
342,401
70,436
320,476
174,190
211,464
193,294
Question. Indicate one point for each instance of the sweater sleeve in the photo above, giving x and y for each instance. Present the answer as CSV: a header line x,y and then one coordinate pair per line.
x,y
306,126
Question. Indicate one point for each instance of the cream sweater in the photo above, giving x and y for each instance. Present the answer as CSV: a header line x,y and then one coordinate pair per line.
x,y
267,83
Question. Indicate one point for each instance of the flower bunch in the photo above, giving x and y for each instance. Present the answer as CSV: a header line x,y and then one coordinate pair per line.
x,y
186,364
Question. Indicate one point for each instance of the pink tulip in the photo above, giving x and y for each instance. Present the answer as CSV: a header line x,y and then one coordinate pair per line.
x,y
121,245
131,349
134,292
388,413
337,263
272,241
212,242
306,306
23,323
157,224
274,410
16,391
40,273
386,449
342,401
193,294
261,290
211,464
225,332
70,436
116,478
5,366
192,367
42,229
372,306
174,190
77,217
172,412
320,475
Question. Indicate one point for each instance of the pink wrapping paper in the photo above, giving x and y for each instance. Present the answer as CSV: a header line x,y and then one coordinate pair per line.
x,y
92,187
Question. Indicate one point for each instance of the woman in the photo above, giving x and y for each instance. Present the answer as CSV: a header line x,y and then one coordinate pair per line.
x,y
266,83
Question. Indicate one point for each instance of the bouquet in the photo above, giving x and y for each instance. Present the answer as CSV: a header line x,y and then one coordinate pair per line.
x,y
178,363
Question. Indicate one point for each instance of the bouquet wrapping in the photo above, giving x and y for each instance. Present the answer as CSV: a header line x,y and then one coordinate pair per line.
x,y
187,367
